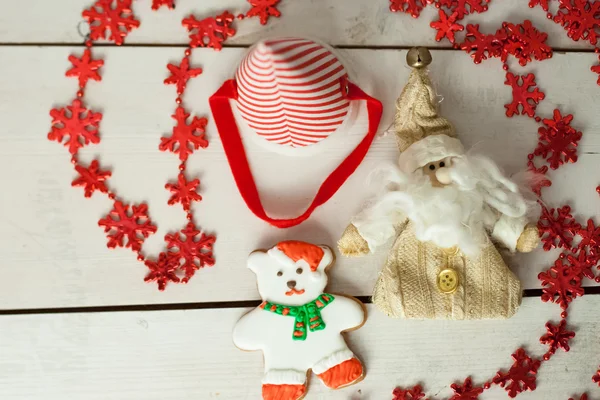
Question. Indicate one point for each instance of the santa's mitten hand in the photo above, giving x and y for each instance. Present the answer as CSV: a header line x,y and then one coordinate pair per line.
x,y
529,239
352,244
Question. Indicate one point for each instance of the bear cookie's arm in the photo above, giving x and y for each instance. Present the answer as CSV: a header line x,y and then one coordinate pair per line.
x,y
351,312
246,334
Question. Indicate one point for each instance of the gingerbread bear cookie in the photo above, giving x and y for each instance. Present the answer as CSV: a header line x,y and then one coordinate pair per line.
x,y
298,326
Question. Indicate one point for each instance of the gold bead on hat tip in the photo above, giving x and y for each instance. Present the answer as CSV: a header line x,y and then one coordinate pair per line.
x,y
418,57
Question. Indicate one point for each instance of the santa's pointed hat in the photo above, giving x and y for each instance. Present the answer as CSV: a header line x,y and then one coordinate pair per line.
x,y
423,136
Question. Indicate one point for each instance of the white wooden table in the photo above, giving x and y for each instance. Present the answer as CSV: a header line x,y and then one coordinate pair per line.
x,y
79,322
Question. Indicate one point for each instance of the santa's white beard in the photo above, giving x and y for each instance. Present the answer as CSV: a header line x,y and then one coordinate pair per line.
x,y
459,214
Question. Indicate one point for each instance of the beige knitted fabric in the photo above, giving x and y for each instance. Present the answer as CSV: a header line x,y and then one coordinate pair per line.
x,y
416,113
407,285
352,244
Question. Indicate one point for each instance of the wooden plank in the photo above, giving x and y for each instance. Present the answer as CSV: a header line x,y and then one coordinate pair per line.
x,y
190,355
54,254
339,22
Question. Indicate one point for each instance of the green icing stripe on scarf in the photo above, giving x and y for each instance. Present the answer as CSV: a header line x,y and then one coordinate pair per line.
x,y
307,315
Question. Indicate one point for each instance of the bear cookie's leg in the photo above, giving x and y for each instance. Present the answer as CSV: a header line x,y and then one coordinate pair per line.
x,y
339,370
284,385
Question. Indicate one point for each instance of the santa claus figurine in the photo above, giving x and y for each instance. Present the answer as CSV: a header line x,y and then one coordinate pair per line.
x,y
450,212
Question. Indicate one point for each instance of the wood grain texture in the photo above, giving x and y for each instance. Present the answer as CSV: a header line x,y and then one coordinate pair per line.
x,y
55,255
188,355
339,22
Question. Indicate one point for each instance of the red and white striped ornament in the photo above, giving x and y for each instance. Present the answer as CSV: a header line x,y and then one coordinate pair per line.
x,y
292,91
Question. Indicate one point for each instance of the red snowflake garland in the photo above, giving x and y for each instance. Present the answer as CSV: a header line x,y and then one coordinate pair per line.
x,y
483,46
590,239
541,3
446,26
540,181
85,68
181,74
122,223
583,264
557,227
411,7
113,17
185,137
583,397
263,9
521,376
522,95
191,247
596,69
557,337
414,393
184,191
580,18
211,31
561,284
466,391
76,123
91,178
558,141
156,4
525,41
162,271
596,377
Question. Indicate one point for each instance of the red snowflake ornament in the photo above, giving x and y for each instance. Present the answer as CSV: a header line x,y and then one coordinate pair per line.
x,y
181,74
186,137
117,20
466,391
483,46
264,9
91,178
77,123
525,42
596,377
542,3
590,239
460,7
522,96
583,397
446,26
209,32
583,264
540,181
162,271
521,376
85,68
195,252
412,7
557,337
558,140
121,223
580,18
561,284
156,4
184,191
557,227
414,393
596,69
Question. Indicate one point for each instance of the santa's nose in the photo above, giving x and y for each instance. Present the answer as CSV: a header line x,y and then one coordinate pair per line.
x,y
291,284
443,175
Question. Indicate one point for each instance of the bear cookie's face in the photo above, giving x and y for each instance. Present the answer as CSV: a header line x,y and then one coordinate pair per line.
x,y
291,273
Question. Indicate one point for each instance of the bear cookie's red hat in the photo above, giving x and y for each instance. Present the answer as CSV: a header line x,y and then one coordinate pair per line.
x,y
291,94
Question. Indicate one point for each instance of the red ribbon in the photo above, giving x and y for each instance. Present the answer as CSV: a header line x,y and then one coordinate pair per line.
x,y
236,155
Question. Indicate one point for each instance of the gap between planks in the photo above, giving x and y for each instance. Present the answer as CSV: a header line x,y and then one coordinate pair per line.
x,y
245,46
591,290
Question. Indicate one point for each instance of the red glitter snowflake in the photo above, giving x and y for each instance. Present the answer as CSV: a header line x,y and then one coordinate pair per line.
x,y
85,68
557,227
118,20
466,391
521,376
162,271
184,191
209,32
596,377
539,181
558,140
522,96
446,26
414,393
412,7
581,19
483,46
590,238
525,41
542,3
181,74
557,337
465,7
78,123
91,178
264,9
186,137
156,4
561,284
583,264
195,252
121,223
596,69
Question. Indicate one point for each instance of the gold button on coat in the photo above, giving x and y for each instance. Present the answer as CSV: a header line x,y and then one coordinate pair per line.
x,y
447,281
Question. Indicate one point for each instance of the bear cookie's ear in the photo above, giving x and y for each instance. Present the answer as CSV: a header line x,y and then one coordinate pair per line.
x,y
258,259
